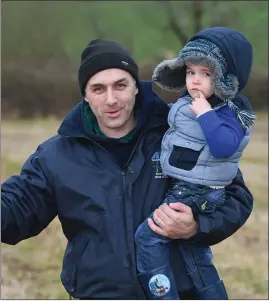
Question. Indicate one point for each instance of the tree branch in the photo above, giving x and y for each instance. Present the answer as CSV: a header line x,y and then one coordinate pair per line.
x,y
173,25
99,32
198,11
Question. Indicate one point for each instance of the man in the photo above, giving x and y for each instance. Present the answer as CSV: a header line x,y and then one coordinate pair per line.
x,y
101,175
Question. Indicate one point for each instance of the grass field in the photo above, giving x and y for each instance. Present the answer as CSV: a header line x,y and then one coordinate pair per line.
x,y
31,269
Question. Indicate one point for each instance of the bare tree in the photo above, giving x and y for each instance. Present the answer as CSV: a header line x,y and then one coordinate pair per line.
x,y
198,8
184,18
195,11
180,21
173,24
221,14
97,28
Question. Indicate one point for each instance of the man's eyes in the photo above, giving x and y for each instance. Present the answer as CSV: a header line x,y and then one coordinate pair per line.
x,y
98,89
121,85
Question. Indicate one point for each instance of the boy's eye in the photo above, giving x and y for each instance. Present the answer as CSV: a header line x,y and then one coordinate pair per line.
x,y
189,72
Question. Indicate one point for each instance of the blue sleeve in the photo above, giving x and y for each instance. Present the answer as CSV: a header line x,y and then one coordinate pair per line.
x,y
231,216
222,132
27,203
170,105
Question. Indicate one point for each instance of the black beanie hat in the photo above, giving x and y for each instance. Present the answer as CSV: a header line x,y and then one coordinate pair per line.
x,y
101,55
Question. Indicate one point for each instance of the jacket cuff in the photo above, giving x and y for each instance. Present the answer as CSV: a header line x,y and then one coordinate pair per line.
x,y
203,228
207,119
204,113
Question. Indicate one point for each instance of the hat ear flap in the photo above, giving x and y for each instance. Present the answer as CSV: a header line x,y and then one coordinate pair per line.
x,y
226,87
170,75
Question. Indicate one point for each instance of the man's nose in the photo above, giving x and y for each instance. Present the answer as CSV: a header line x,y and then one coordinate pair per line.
x,y
110,98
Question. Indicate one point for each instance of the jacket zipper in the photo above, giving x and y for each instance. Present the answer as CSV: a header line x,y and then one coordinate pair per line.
x,y
128,229
132,246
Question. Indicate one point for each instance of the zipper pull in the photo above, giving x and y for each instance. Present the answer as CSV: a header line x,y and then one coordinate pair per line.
x,y
130,169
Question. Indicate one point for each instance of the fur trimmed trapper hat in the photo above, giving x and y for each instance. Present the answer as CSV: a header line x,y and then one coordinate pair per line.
x,y
226,52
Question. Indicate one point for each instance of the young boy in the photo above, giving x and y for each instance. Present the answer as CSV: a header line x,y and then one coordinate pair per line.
x,y
209,128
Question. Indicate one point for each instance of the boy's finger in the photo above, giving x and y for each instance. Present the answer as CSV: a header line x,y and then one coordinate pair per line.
x,y
197,96
201,94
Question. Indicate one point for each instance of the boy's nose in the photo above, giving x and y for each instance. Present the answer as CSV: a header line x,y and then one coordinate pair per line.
x,y
196,79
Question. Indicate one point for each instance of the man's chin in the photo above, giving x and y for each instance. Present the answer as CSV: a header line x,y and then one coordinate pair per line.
x,y
114,125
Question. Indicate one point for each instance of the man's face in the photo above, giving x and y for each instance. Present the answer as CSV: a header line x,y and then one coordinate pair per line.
x,y
199,78
111,96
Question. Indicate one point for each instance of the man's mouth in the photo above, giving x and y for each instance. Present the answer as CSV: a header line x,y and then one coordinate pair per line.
x,y
113,113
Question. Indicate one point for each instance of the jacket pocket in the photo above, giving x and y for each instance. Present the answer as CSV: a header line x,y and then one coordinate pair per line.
x,y
185,155
210,200
73,253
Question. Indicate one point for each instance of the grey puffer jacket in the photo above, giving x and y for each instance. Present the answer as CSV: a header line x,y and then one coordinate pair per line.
x,y
186,134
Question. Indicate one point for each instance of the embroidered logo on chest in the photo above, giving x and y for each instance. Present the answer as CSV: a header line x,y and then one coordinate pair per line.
x,y
157,166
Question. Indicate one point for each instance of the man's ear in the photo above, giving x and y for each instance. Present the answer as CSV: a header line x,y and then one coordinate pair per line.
x,y
136,89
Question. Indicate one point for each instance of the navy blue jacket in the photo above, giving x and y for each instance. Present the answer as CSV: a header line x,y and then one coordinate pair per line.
x,y
100,205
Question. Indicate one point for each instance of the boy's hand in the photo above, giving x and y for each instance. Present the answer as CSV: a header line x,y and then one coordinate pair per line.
x,y
199,104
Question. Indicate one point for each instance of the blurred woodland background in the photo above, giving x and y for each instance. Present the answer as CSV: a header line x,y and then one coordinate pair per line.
x,y
42,42
41,46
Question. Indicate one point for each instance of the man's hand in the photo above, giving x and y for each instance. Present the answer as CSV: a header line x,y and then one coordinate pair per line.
x,y
199,104
174,221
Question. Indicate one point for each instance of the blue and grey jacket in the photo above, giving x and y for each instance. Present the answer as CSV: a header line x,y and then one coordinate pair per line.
x,y
185,132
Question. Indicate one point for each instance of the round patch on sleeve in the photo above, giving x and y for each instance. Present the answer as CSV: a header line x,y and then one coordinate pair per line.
x,y
159,285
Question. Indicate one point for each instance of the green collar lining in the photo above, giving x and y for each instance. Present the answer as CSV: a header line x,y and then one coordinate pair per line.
x,y
91,125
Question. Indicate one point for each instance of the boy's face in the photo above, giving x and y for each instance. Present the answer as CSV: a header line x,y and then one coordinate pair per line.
x,y
199,78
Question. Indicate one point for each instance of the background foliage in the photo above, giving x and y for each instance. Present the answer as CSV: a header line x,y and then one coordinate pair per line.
x,y
42,42
39,31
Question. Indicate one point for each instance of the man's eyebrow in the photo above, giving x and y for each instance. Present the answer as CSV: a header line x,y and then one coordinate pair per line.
x,y
121,80
96,84
101,84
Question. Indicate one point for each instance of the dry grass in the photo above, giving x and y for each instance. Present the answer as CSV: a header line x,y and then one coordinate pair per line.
x,y
242,260
31,269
